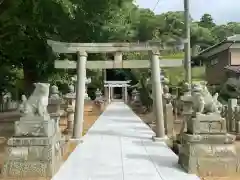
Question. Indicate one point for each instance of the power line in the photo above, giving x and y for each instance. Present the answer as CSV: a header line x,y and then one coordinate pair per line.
x,y
156,5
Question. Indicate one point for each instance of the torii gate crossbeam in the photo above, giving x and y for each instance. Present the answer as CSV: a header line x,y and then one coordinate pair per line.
x,y
81,49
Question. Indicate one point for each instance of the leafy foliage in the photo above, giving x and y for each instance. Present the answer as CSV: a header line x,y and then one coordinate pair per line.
x,y
25,25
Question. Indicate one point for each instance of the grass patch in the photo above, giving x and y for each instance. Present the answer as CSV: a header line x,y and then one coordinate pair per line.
x,y
198,73
177,74
179,55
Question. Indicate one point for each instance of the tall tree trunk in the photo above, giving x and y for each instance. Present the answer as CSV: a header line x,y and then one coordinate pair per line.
x,y
30,77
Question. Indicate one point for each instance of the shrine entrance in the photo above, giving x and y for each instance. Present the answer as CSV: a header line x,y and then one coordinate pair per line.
x,y
82,49
117,84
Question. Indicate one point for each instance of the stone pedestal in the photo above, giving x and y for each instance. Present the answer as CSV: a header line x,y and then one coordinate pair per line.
x,y
54,105
55,112
232,114
33,126
70,119
232,103
207,124
135,96
238,129
236,121
32,157
168,112
186,100
99,100
34,150
207,150
168,119
136,101
70,99
70,109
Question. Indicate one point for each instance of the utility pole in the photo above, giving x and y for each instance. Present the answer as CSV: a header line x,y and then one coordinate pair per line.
x,y
187,46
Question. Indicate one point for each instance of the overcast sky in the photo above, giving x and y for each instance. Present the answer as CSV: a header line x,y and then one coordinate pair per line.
x,y
222,11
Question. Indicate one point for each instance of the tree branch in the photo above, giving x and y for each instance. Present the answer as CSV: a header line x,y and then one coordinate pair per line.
x,y
1,2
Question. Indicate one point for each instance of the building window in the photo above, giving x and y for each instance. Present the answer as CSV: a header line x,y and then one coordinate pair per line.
x,y
214,61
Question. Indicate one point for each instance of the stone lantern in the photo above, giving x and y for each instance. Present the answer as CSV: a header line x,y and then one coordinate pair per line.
x,y
98,95
54,107
54,92
70,98
99,101
135,96
87,81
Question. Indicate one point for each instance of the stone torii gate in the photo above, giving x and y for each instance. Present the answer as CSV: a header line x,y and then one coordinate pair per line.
x,y
82,49
112,84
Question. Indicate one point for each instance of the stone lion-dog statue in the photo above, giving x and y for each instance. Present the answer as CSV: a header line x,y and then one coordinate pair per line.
x,y
36,104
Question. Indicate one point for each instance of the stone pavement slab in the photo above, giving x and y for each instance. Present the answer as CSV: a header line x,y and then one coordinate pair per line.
x,y
119,147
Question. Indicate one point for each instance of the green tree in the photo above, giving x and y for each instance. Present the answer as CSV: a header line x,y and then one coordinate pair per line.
x,y
201,36
206,21
223,31
28,24
146,25
25,25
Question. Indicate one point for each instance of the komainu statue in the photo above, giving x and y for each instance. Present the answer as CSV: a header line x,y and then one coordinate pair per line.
x,y
203,101
36,104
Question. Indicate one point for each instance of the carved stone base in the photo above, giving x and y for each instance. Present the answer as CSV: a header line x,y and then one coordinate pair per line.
x,y
205,166
34,126
32,157
208,138
207,124
211,159
27,169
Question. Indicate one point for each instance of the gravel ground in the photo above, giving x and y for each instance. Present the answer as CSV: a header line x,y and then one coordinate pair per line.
x,y
6,131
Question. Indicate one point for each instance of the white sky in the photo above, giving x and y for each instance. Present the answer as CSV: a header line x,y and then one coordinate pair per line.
x,y
222,11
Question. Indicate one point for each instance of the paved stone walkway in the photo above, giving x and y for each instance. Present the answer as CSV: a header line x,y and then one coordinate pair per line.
x,y
119,147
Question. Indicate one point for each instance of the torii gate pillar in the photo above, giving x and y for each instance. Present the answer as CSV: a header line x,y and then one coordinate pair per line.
x,y
109,94
157,95
104,79
125,95
80,91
